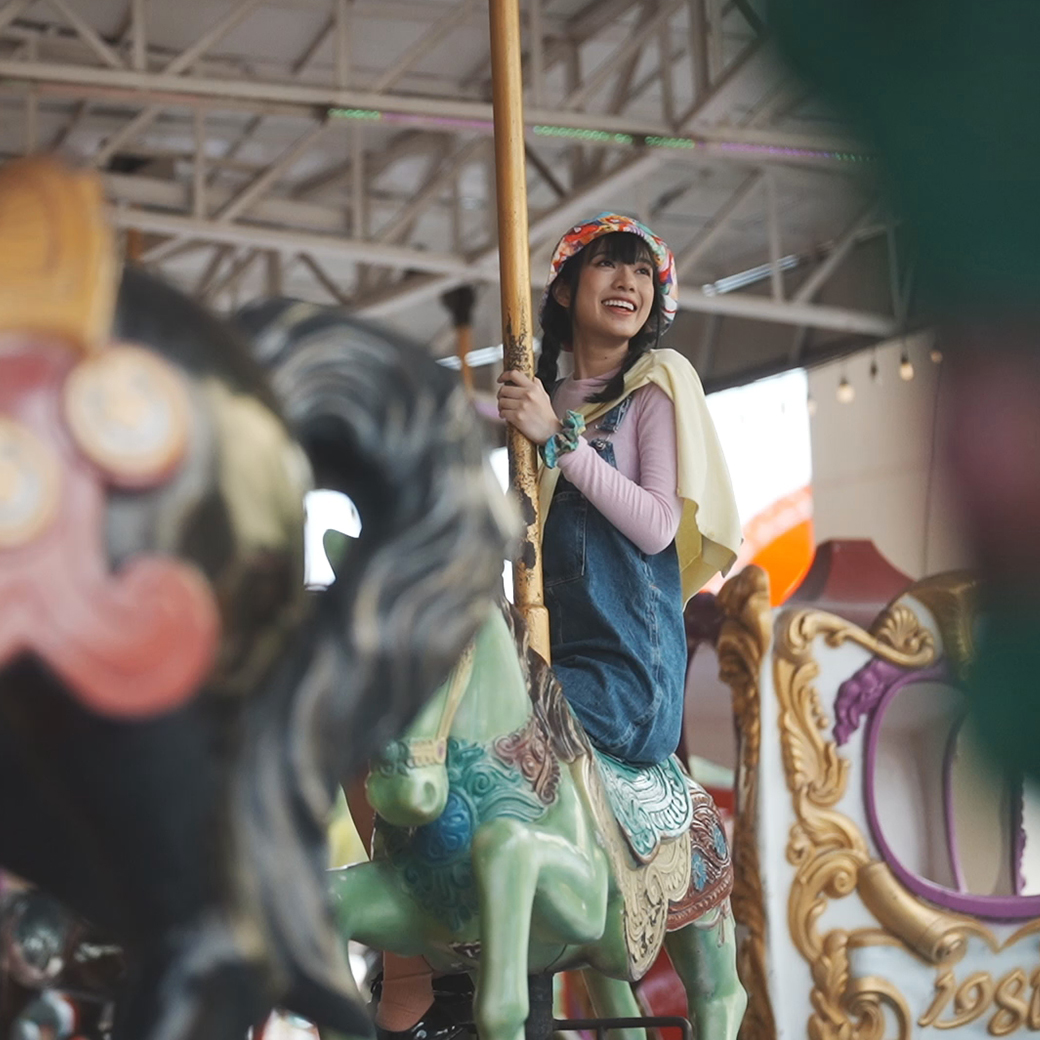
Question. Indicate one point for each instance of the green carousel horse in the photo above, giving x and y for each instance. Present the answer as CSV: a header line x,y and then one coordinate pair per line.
x,y
506,846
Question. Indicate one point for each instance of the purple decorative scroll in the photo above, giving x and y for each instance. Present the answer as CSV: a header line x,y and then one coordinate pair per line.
x,y
1019,837
950,817
994,908
859,696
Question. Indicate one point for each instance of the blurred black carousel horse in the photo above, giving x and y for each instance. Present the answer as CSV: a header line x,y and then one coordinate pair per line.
x,y
175,708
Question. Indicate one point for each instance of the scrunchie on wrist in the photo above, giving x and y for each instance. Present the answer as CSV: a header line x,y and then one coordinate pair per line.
x,y
564,441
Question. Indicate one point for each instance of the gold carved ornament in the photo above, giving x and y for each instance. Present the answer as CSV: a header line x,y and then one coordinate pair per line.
x,y
127,408
646,889
744,639
58,264
829,853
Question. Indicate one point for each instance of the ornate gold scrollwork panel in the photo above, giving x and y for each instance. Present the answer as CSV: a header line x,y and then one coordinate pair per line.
x,y
743,642
830,854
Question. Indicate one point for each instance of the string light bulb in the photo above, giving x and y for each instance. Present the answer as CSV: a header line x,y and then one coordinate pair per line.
x,y
906,367
846,391
936,355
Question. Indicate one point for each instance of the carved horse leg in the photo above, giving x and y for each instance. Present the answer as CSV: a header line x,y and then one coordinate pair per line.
x,y
372,908
704,954
522,871
613,998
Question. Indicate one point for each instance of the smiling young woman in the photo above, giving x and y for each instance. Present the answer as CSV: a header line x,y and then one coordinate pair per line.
x,y
642,515
636,497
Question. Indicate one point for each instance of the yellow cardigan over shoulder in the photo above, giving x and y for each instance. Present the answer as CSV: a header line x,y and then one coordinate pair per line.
x,y
709,532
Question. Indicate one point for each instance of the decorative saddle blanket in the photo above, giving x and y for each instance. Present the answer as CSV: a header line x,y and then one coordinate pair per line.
x,y
650,803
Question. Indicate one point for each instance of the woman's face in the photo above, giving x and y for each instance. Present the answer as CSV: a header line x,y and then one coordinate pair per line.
x,y
613,298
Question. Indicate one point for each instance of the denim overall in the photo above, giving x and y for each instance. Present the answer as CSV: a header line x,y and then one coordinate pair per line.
x,y
616,625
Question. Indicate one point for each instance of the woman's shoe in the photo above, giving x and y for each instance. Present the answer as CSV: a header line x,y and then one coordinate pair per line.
x,y
449,1017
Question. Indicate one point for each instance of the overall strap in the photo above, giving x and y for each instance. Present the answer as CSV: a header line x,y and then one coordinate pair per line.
x,y
613,419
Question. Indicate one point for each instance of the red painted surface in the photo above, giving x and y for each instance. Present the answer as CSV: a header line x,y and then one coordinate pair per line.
x,y
133,643
850,578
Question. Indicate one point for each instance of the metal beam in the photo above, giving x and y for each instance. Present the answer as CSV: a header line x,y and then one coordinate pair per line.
x,y
274,271
139,28
210,271
664,50
176,196
426,42
318,41
410,142
77,119
185,61
639,39
717,224
238,270
260,185
709,344
183,90
358,201
585,24
776,276
10,11
198,170
88,35
296,241
546,174
411,290
344,31
435,184
170,248
698,28
747,62
536,32
321,276
841,249
548,225
786,312
137,125
750,16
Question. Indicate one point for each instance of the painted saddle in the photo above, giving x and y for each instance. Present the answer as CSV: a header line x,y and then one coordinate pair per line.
x,y
662,832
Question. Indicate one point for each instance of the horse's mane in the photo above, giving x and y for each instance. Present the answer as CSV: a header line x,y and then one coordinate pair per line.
x,y
381,421
550,706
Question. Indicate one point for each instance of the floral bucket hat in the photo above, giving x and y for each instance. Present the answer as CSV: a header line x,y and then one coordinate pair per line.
x,y
606,223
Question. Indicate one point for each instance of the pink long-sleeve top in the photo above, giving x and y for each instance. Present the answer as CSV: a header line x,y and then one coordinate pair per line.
x,y
639,497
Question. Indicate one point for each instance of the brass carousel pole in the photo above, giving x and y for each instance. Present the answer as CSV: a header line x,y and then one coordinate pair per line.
x,y
514,261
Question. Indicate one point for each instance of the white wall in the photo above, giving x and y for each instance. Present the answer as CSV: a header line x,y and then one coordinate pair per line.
x,y
876,470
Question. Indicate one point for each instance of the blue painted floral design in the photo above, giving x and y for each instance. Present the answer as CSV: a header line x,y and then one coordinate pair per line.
x,y
448,835
699,871
719,841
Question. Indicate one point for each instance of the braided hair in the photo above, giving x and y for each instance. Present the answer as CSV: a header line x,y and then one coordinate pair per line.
x,y
558,321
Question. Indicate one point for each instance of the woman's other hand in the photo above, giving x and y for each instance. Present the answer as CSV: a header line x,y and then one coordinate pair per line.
x,y
523,403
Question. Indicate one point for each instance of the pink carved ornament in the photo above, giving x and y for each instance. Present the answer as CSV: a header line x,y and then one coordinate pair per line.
x,y
128,644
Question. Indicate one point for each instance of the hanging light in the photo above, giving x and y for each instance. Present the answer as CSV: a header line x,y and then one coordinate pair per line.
x,y
936,355
906,367
846,391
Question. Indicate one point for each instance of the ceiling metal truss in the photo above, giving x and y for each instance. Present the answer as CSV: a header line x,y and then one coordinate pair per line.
x,y
347,157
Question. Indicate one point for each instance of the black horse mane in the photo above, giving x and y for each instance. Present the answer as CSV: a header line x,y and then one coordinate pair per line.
x,y
380,421
383,423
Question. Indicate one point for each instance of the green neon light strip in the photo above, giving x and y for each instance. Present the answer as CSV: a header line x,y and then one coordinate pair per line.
x,y
669,142
369,114
583,135
372,115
